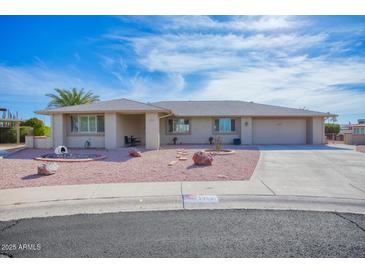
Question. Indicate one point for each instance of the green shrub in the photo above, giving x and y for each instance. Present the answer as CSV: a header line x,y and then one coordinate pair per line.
x,y
8,135
332,128
47,131
32,122
40,129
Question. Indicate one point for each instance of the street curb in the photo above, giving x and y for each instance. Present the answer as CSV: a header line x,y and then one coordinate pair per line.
x,y
164,203
285,202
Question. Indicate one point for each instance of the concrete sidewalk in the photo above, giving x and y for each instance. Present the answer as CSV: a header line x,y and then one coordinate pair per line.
x,y
323,178
102,198
16,196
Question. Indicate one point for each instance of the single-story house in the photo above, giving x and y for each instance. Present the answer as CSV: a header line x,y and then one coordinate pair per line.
x,y
106,123
357,134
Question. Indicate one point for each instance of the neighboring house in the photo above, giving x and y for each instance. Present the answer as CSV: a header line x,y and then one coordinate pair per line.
x,y
344,129
106,123
8,121
357,134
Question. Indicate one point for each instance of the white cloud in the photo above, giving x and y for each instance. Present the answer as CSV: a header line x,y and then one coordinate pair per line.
x,y
300,83
188,62
144,88
242,23
185,42
198,52
267,59
270,23
263,59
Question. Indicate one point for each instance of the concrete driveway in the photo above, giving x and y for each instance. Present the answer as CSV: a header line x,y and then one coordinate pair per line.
x,y
5,149
321,171
319,178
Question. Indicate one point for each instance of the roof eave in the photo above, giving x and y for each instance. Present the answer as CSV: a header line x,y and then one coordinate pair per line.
x,y
255,115
50,112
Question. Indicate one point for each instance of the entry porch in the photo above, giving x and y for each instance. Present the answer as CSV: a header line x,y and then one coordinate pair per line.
x,y
105,130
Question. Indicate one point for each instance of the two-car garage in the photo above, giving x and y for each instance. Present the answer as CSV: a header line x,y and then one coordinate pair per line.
x,y
267,131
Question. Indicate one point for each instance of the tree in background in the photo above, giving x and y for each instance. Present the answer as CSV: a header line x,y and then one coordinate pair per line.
x,y
332,128
71,97
40,129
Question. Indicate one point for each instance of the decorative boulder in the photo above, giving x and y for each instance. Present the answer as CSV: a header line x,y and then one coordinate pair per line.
x,y
47,169
202,158
134,152
172,163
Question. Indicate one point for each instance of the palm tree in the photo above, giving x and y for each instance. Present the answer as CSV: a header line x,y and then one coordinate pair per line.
x,y
71,97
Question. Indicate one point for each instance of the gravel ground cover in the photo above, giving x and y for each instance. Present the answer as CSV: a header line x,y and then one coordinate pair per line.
x,y
20,170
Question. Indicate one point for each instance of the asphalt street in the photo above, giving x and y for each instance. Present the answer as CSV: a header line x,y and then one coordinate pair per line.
x,y
187,233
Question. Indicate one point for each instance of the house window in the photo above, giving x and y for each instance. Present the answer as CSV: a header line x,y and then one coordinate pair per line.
x,y
359,130
178,125
224,125
87,123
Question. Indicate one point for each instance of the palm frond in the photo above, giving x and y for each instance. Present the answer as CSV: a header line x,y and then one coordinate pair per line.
x,y
64,97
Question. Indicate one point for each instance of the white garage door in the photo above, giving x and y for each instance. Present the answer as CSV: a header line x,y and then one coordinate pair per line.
x,y
279,131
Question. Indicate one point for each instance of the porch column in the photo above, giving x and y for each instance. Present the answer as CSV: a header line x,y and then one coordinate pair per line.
x,y
111,134
58,130
246,130
17,128
152,131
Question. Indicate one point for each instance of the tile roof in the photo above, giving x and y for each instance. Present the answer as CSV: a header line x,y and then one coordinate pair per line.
x,y
232,108
118,105
187,108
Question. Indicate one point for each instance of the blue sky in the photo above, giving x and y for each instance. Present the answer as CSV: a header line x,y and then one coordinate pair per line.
x,y
316,62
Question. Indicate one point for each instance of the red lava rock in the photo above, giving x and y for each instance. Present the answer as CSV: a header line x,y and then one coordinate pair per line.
x,y
202,158
134,152
47,169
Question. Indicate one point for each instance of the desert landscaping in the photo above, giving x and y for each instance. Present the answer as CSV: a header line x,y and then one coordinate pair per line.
x,y
164,165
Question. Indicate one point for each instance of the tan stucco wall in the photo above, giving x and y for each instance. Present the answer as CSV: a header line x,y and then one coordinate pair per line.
x,y
116,127
58,122
153,131
42,142
347,138
131,124
317,131
152,136
201,128
79,141
111,131
38,142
